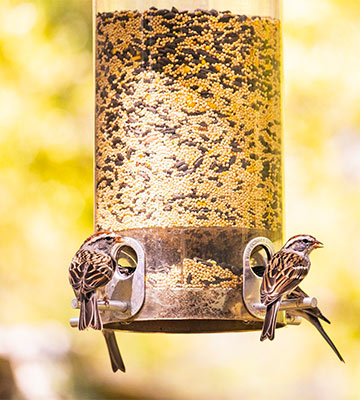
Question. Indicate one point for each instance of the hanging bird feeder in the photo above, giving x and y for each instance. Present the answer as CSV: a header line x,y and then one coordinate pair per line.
x,y
188,161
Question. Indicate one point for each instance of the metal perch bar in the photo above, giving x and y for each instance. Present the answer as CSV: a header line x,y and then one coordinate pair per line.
x,y
74,322
293,319
110,305
292,304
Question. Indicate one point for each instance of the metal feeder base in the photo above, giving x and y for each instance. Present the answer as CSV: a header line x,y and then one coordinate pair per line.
x,y
190,280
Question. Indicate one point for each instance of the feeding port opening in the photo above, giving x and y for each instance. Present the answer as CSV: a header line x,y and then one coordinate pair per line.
x,y
257,254
126,261
259,258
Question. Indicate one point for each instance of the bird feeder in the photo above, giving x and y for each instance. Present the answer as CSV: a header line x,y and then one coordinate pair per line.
x,y
188,160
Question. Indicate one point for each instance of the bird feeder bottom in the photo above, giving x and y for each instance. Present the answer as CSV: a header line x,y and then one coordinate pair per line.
x,y
193,281
191,326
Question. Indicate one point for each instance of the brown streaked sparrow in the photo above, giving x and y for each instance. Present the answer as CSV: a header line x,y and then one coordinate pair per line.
x,y
313,315
92,267
283,273
117,362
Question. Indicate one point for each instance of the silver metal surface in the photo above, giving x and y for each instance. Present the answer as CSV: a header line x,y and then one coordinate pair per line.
x,y
110,305
293,319
291,304
252,282
122,289
74,322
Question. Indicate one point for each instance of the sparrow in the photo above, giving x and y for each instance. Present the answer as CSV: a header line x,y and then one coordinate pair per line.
x,y
313,315
117,362
283,273
92,267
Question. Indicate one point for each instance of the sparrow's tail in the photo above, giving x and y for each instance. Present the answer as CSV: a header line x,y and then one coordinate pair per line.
x,y
114,353
268,330
315,321
89,312
316,313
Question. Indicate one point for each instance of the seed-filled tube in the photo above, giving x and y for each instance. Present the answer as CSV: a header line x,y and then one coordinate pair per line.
x,y
188,130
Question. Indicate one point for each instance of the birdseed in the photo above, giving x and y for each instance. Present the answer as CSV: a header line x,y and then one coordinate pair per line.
x,y
188,121
195,273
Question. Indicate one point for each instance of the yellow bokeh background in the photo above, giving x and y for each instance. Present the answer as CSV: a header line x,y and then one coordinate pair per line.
x,y
46,211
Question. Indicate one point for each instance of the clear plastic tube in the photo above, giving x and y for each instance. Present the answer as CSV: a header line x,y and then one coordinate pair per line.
x,y
188,137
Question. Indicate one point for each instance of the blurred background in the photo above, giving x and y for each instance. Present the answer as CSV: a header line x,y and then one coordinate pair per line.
x,y
46,211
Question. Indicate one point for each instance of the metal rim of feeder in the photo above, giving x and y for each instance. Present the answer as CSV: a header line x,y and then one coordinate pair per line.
x,y
139,252
252,282
132,286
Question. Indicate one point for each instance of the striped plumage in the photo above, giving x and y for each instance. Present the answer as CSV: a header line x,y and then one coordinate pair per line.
x,y
91,268
313,315
285,270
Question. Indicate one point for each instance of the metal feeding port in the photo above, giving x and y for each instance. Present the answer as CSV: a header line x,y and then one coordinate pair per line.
x,y
128,282
256,256
125,293
257,253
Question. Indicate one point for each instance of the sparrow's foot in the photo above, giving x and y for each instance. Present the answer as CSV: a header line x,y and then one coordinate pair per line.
x,y
106,300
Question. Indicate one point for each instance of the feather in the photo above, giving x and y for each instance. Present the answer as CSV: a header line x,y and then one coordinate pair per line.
x,y
315,322
117,362
283,273
313,315
89,312
269,325
89,271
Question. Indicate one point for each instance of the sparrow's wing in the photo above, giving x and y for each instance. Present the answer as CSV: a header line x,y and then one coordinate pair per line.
x,y
91,270
315,321
298,292
315,312
76,273
283,273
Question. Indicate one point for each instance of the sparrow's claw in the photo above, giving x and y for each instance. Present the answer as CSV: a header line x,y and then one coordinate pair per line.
x,y
106,300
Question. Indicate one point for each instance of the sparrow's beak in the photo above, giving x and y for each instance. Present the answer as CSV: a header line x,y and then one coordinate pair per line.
x,y
318,245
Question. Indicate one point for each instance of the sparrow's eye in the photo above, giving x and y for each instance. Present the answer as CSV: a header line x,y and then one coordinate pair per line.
x,y
306,240
109,240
